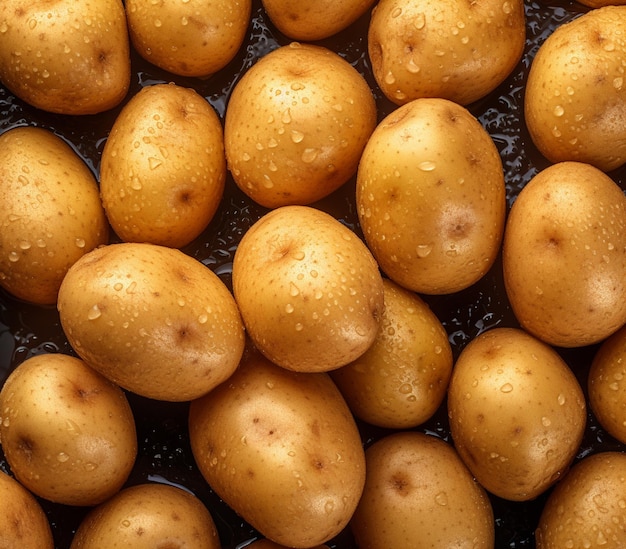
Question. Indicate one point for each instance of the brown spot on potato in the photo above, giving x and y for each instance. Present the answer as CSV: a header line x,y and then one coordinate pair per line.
x,y
26,447
399,484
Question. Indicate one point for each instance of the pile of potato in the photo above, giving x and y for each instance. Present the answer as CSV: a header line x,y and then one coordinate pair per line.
x,y
311,367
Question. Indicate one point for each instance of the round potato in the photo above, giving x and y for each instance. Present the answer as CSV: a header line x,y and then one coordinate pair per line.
x,y
309,290
282,449
430,197
296,124
50,213
575,100
64,56
268,544
163,168
189,38
517,413
566,236
67,433
402,379
152,319
459,51
418,494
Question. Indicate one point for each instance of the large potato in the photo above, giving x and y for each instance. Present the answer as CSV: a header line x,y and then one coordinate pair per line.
x,y
282,449
268,544
431,197
50,213
65,56
152,319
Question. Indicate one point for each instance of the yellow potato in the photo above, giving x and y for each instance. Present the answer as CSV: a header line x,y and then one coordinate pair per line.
x,y
152,319
517,413
67,433
601,3
282,449
444,48
188,38
65,56
564,257
163,168
575,100
296,124
430,197
419,495
267,544
309,290
401,380
50,213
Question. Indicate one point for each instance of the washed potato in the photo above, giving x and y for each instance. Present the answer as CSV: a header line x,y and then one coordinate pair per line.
x,y
163,168
402,379
601,3
455,50
282,449
23,523
50,213
267,544
147,516
309,290
418,495
67,433
296,124
586,509
517,413
430,197
152,319
564,255
189,38
65,56
575,99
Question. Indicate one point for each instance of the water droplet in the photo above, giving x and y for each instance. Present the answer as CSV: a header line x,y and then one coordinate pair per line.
x,y
14,257
506,388
420,21
94,313
126,523
561,399
427,166
423,250
299,327
297,136
397,12
329,507
559,110
545,421
154,162
62,457
405,388
441,499
289,308
390,78
80,242
309,155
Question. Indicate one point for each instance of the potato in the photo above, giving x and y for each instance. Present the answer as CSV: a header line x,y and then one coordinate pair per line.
x,y
282,449
418,495
575,100
50,213
430,197
402,379
308,289
163,168
586,509
146,516
67,433
189,38
152,319
459,51
565,237
517,413
267,544
64,56
23,523
601,3
296,124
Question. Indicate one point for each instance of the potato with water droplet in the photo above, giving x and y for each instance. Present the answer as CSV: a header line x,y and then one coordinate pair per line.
x,y
50,213
268,544
564,255
282,449
152,319
64,56
163,168
430,197
67,432
309,291
296,124
517,413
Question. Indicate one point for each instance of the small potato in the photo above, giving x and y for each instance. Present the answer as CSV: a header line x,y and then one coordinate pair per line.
x,y
430,197
517,413
564,255
50,213
163,168
152,319
188,38
67,433
402,379
64,56
575,100
459,51
419,495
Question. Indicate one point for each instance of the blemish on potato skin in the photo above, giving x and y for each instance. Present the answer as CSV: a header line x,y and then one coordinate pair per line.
x,y
399,484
